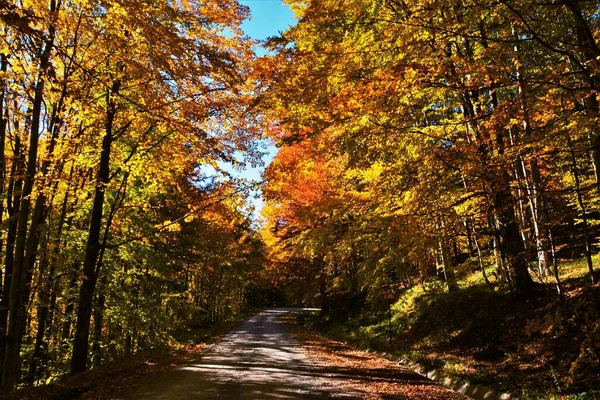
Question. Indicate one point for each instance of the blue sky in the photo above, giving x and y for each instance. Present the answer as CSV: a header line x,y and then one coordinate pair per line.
x,y
268,18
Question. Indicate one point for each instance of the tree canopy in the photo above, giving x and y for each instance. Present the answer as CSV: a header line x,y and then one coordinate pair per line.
x,y
412,135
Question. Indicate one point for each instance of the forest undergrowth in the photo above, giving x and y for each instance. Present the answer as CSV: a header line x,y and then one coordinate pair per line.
x,y
541,348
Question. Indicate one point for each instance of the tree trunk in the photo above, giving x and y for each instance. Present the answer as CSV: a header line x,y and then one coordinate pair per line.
x,y
591,54
42,318
470,238
14,194
47,296
55,259
535,193
86,293
444,256
70,301
531,178
582,207
323,293
98,323
3,122
19,294
525,220
511,242
481,266
70,306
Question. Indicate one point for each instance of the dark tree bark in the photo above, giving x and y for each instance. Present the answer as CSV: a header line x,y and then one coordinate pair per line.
x,y
25,249
47,294
3,125
70,306
3,122
582,207
86,292
510,237
99,322
14,194
42,317
73,275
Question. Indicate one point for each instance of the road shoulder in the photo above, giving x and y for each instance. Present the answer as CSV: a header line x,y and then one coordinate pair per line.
x,y
366,374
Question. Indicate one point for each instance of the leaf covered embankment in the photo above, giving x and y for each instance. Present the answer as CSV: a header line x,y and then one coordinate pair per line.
x,y
370,376
543,348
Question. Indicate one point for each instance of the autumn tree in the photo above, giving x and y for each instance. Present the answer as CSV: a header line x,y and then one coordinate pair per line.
x,y
456,124
104,106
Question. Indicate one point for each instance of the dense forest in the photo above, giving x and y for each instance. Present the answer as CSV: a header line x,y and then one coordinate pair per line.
x,y
420,141
113,237
428,130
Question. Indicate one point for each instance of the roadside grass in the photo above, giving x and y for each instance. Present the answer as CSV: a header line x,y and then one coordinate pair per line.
x,y
539,349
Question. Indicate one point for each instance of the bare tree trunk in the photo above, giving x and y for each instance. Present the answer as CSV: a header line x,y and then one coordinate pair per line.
x,y
325,306
444,257
25,249
70,306
13,206
101,298
86,293
511,242
42,317
72,286
470,239
580,202
3,123
591,53
99,322
525,220
481,266
47,293
531,178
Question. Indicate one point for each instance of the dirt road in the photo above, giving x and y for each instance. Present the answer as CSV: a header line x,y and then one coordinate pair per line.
x,y
257,360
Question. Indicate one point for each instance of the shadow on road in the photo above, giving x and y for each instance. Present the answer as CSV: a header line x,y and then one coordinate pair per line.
x,y
258,360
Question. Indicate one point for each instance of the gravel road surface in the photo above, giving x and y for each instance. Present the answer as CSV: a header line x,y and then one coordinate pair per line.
x,y
260,360
256,360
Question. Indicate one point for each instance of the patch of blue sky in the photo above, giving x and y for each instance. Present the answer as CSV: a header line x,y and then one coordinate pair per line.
x,y
268,18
